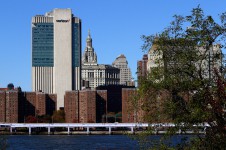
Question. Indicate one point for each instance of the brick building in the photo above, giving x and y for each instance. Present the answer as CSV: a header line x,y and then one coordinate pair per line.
x,y
114,98
101,106
142,69
142,66
11,108
8,106
29,103
85,106
131,108
128,113
15,106
2,106
71,107
51,103
40,103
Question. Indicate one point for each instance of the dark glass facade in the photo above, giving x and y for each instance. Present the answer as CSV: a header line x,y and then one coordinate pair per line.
x,y
42,45
76,40
76,52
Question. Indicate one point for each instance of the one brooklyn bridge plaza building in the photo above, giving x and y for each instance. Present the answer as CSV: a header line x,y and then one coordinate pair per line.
x,y
56,53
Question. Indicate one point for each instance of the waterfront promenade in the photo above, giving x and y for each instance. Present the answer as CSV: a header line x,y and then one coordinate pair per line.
x,y
69,126
87,127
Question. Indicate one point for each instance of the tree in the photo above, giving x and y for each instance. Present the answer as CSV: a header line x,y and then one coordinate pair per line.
x,y
45,119
31,119
58,116
186,86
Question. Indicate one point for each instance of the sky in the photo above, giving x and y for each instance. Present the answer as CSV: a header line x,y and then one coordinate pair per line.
x,y
116,28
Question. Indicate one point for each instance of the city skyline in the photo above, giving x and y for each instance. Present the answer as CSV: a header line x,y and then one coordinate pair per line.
x,y
116,28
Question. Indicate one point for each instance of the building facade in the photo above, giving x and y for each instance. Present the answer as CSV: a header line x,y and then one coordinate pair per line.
x,y
142,68
154,56
2,106
125,72
15,106
211,58
114,101
11,106
85,106
131,108
128,111
101,106
97,74
56,53
71,106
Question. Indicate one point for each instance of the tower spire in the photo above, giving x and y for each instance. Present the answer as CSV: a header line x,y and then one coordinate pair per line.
x,y
89,40
89,33
89,55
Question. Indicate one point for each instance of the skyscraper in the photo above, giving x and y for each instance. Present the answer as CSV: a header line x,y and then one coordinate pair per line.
x,y
56,53
125,73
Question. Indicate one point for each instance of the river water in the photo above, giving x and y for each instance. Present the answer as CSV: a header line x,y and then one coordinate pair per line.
x,y
74,142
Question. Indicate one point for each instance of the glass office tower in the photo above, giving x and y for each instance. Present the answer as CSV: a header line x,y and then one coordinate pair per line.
x,y
56,53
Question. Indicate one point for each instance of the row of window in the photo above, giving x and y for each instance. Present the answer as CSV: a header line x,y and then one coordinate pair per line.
x,y
42,58
44,36
43,25
38,47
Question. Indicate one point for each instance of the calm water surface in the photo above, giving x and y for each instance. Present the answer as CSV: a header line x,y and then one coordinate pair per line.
x,y
58,142
73,142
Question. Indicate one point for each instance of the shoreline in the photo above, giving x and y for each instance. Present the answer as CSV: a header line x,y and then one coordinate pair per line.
x,y
70,133
92,133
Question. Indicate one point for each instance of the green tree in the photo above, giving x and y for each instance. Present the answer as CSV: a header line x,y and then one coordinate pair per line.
x,y
45,119
58,116
186,86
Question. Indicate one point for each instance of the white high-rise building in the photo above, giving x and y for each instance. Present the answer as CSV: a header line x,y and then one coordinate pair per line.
x,y
56,53
125,73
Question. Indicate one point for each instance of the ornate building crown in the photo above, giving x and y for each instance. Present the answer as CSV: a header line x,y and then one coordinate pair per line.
x,y
89,56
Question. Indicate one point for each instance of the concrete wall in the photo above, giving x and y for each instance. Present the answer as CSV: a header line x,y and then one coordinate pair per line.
x,y
62,54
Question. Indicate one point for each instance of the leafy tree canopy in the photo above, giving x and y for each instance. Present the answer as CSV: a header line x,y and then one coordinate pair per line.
x,y
187,86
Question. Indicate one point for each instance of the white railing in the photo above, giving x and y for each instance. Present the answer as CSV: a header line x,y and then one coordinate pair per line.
x,y
18,125
132,126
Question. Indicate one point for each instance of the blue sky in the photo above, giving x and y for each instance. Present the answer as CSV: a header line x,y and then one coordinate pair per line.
x,y
116,27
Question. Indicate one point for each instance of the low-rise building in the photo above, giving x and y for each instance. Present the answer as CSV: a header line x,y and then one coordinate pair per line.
x,y
71,106
114,101
131,106
85,106
15,105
